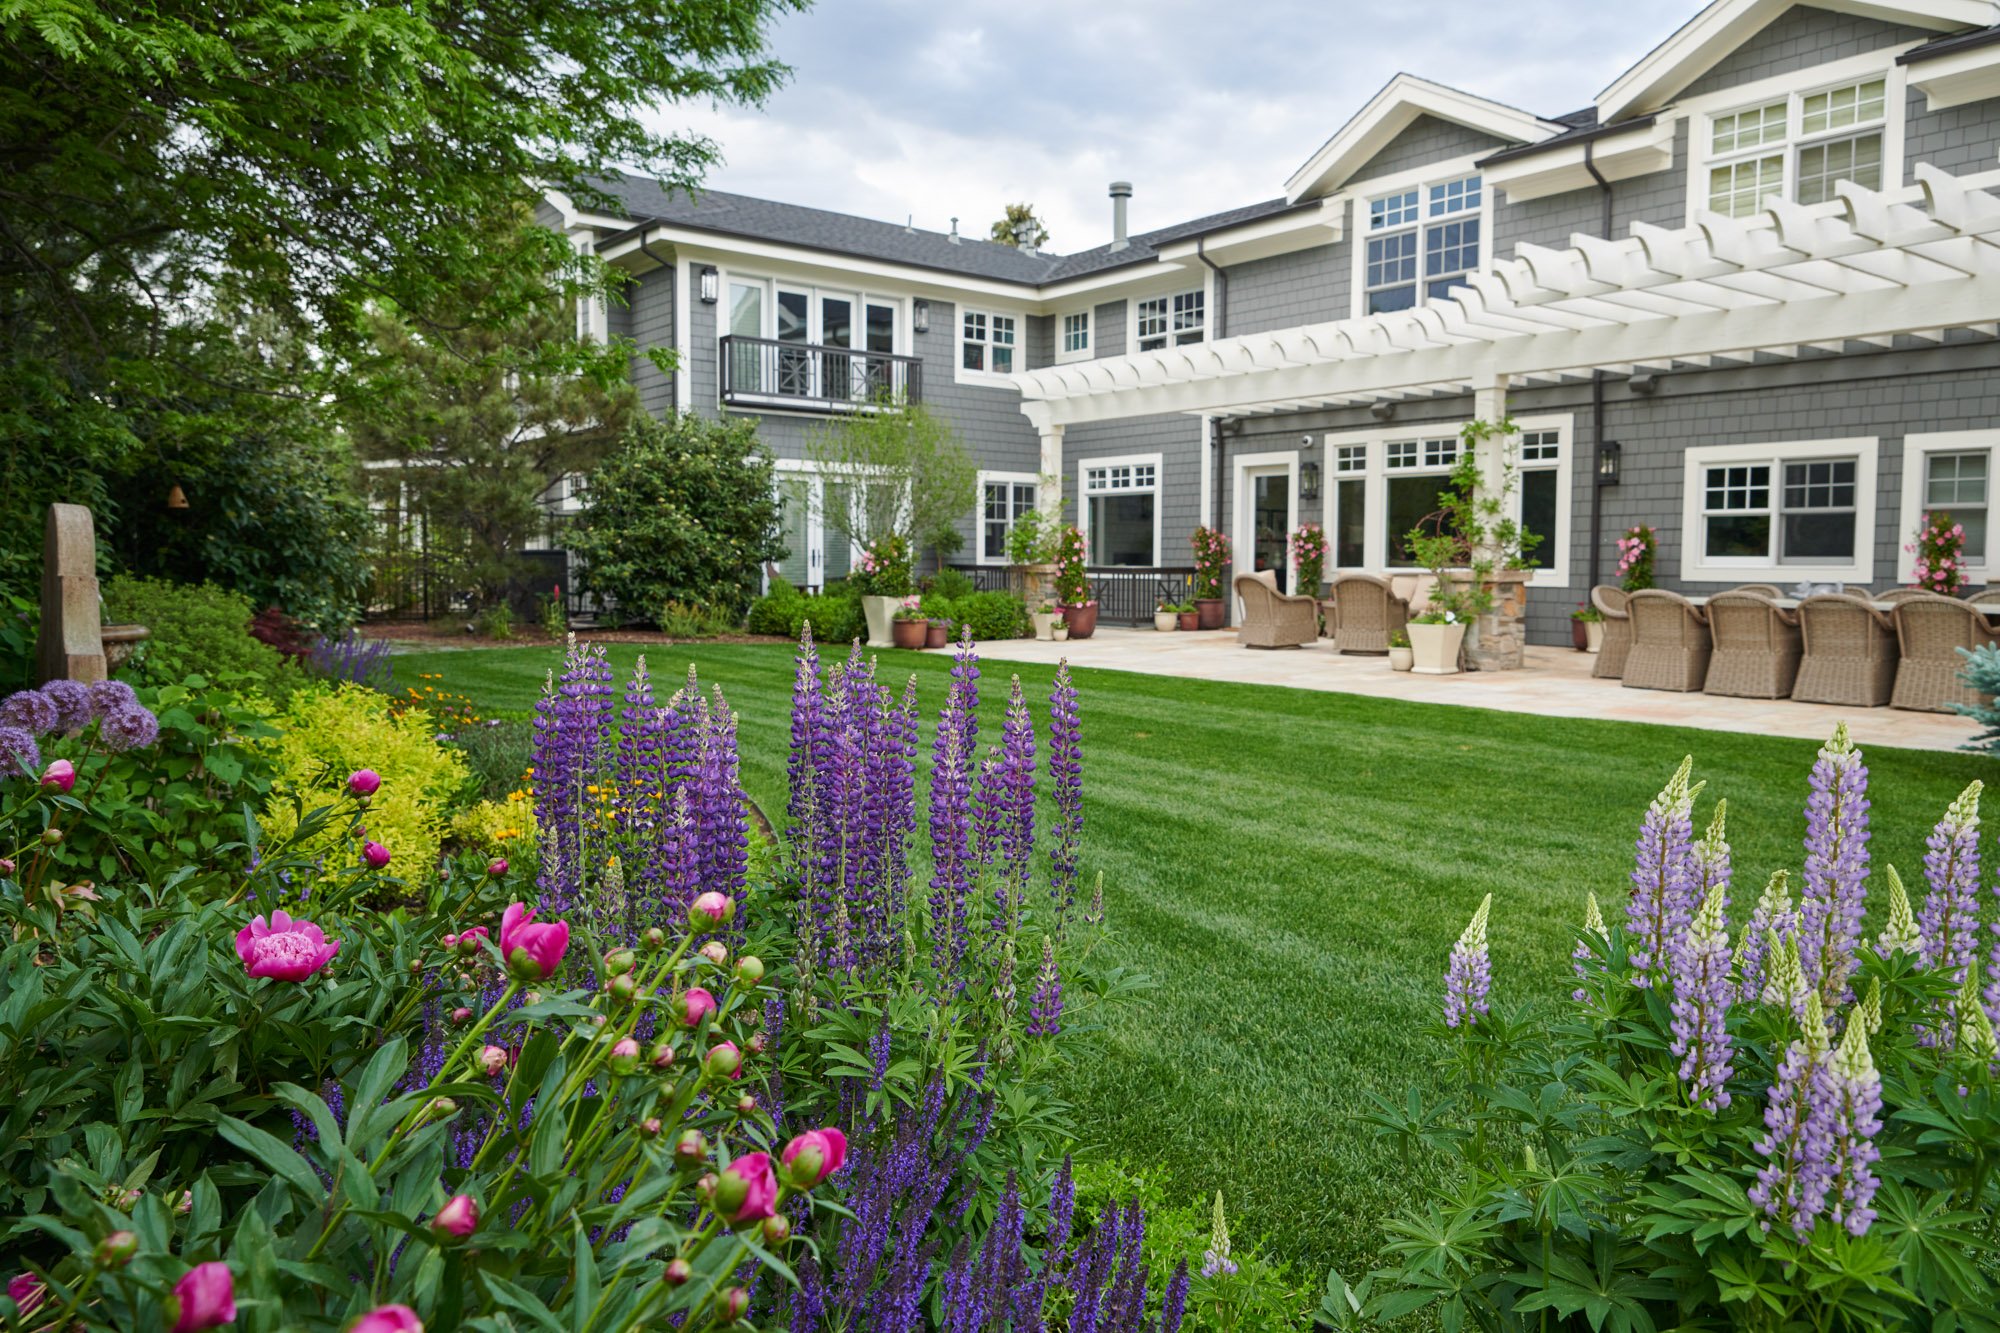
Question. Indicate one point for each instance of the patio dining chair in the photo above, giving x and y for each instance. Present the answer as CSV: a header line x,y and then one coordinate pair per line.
x,y
1671,646
1850,652
1931,629
1895,595
1757,647
1610,603
1273,619
1366,613
1985,597
1758,589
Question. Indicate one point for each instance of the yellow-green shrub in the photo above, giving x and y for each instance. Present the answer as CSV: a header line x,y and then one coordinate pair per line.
x,y
326,733
500,828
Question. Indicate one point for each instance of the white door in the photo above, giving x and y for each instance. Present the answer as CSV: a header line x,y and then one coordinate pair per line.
x,y
1267,509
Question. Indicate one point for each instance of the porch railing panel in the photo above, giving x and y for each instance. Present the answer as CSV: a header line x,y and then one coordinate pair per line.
x,y
808,377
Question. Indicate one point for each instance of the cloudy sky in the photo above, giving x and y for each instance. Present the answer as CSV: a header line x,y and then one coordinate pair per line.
x,y
946,107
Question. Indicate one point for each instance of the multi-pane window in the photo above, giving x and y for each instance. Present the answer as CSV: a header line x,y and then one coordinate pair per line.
x,y
988,342
1421,244
1736,509
1441,453
1076,332
1955,485
1120,500
1400,453
1413,498
1171,320
1818,513
1541,456
1003,504
1798,147
1808,518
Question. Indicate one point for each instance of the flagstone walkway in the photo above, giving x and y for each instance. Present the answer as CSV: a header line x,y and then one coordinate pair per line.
x,y
1556,682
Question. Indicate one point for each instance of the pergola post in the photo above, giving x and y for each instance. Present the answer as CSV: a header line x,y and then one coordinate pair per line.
x,y
1500,637
1049,498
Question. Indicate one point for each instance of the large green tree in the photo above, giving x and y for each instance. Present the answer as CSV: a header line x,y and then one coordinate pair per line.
x,y
902,471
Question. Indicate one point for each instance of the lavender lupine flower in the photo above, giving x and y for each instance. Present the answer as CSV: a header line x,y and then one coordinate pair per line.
x,y
1950,919
1469,979
1900,933
1664,879
1772,917
1066,777
1007,791
1215,1259
1785,987
1585,951
1852,1092
953,872
638,759
1836,870
571,720
722,835
1702,992
1046,1005
1792,1184
1710,860
1975,1021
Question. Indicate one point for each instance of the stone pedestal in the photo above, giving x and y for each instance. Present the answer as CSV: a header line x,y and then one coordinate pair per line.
x,y
71,641
1033,584
1498,639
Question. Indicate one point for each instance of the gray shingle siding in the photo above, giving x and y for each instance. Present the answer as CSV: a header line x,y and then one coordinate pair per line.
x,y
1177,439
1959,139
1659,198
1306,287
649,320
1427,140
1107,329
1798,39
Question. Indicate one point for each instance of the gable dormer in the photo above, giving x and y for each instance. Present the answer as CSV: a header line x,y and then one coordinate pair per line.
x,y
1411,117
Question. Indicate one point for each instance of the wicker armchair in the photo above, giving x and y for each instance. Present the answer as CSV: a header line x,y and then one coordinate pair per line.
x,y
1366,613
1985,597
1931,630
1850,652
1896,595
1757,647
1758,589
1273,619
1610,603
1671,646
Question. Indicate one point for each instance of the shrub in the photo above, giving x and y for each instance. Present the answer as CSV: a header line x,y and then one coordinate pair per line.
x,y
497,755
1072,584
989,615
502,828
685,510
835,615
1793,1132
681,620
1636,550
197,629
949,584
495,621
325,734
1939,548
779,611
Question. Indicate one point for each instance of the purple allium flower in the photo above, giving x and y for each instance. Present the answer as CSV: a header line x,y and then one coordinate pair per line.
x,y
72,701
108,696
1066,777
1664,879
1046,1005
1702,992
1792,1184
18,752
1772,918
1851,1092
132,728
1469,979
1836,871
1950,919
30,711
1586,947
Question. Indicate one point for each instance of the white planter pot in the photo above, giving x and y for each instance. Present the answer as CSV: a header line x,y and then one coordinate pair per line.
x,y
1061,632
1166,620
1435,648
1401,659
881,613
1045,624
1593,635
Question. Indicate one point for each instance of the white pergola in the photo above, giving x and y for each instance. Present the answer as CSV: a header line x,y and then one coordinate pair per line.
x,y
1869,267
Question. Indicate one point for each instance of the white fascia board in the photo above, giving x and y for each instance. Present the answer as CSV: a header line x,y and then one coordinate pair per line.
x,y
1392,111
1705,39
1640,151
1958,78
920,281
1300,230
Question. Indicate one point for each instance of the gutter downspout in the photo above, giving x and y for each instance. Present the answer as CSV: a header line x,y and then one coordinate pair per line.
x,y
1221,331
1597,395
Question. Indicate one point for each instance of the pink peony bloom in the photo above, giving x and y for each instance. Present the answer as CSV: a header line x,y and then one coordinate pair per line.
x,y
286,949
206,1298
375,854
458,1218
533,949
364,782
815,1155
27,1292
694,1006
60,775
388,1319
710,910
759,1189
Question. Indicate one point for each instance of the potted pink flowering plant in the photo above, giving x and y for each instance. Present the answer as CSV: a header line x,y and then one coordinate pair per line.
x,y
1635,557
1079,609
882,572
1211,558
1940,552
910,629
1309,549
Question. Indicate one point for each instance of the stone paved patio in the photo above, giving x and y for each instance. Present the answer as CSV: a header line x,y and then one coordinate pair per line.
x,y
1555,683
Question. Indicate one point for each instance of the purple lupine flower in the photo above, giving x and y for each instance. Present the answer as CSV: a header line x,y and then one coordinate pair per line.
x,y
571,720
1949,922
1709,858
638,760
1850,1090
1046,1005
1470,977
1066,778
1772,917
1702,992
1586,947
31,711
722,835
1836,870
1007,791
953,872
1174,1308
1792,1184
72,701
132,728
1663,879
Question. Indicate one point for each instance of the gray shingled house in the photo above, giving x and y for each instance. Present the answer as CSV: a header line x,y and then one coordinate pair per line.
x,y
1750,297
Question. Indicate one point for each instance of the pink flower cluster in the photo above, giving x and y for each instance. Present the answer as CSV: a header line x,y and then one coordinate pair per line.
x,y
1940,552
1634,546
1309,543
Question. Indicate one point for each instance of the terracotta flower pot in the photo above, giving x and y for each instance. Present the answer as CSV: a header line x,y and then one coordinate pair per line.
x,y
939,635
1190,620
909,633
1082,620
1579,635
1208,611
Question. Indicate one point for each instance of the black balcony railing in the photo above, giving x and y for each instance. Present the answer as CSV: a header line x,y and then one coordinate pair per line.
x,y
806,377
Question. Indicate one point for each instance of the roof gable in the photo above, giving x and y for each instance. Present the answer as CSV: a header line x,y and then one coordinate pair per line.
x,y
1712,35
1400,104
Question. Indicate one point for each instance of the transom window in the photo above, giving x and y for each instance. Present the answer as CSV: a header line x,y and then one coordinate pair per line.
x,y
1124,477
1441,453
1956,484
1797,147
1002,505
1076,332
1541,446
988,342
1350,458
1171,320
1811,522
1400,453
1421,243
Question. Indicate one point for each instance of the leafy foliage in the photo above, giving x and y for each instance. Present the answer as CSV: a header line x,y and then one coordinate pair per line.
x,y
901,471
685,511
1072,584
1471,532
1212,554
195,629
986,615
1020,227
835,615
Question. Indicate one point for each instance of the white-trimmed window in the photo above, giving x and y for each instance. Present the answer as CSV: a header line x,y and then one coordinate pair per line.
x,y
1120,510
1075,337
1422,240
1347,522
1949,472
1540,477
1797,145
1170,321
1804,509
987,342
1004,498
1410,496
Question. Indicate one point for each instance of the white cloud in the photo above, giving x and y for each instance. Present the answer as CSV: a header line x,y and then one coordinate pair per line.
x,y
936,108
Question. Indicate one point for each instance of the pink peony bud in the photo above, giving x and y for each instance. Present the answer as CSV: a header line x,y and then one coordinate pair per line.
x,y
650,1127
364,782
375,854
710,910
749,969
736,1302
205,1297
458,1218
813,1156
724,1058
661,1056
388,1319
678,1272
60,776
690,1147
715,951
493,1059
497,867
623,989
624,1056
533,949
467,943
115,1250
27,1292
461,1016
694,1006
747,1191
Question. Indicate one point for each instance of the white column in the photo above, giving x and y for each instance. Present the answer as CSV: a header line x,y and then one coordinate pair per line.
x,y
1049,496
1489,404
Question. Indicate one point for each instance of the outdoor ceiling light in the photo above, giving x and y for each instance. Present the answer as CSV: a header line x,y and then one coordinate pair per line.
x,y
711,284
1644,383
1607,462
1309,480
920,316
1383,411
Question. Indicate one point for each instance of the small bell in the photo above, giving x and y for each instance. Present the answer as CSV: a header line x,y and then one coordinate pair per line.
x,y
176,497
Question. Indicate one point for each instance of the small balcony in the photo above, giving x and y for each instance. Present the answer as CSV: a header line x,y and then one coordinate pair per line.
x,y
807,377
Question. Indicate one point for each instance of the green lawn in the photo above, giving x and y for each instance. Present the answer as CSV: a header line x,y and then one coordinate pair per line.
x,y
1291,869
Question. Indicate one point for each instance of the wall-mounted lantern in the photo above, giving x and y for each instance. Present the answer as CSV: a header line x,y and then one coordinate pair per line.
x,y
920,316
1607,462
711,284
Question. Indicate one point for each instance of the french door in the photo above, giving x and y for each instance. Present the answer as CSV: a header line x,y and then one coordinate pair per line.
x,y
813,513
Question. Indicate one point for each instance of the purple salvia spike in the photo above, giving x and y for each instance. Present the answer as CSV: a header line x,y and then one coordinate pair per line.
x,y
1663,879
1836,870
